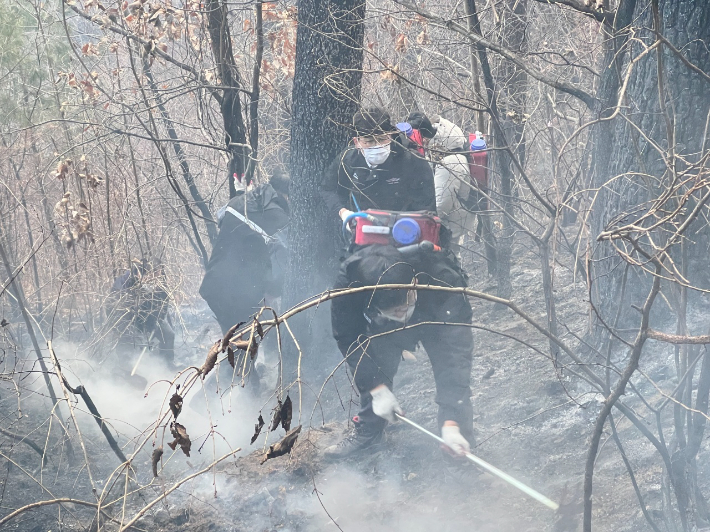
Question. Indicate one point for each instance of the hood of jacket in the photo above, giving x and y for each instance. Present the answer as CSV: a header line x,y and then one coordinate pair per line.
x,y
449,137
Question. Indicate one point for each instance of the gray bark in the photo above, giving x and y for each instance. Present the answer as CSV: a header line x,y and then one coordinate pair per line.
x,y
326,94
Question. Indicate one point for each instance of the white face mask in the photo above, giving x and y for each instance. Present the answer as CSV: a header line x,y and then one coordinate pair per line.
x,y
376,155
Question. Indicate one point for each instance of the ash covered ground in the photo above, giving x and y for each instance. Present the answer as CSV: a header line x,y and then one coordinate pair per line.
x,y
531,421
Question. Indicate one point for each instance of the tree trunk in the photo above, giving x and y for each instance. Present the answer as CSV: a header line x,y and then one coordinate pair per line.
x,y
513,85
667,102
255,92
229,103
620,149
326,94
502,255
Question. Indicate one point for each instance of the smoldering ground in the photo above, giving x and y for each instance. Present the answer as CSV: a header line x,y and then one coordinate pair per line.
x,y
406,486
218,411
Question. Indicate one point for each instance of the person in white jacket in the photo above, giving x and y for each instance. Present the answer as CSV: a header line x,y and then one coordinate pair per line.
x,y
446,146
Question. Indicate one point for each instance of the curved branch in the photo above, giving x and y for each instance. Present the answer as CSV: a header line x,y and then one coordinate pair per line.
x,y
39,504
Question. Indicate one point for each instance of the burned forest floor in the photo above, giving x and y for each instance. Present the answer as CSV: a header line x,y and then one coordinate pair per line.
x,y
532,421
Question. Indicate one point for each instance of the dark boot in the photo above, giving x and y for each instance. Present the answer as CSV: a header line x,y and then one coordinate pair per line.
x,y
364,437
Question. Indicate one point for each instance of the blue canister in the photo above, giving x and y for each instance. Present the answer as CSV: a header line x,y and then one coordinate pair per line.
x,y
405,127
478,145
406,231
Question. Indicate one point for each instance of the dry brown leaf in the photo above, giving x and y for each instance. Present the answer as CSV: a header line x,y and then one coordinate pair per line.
x,y
211,359
276,416
286,414
390,74
243,345
94,180
400,45
257,429
63,169
284,446
423,37
89,49
176,405
157,455
230,333
181,438
240,345
230,356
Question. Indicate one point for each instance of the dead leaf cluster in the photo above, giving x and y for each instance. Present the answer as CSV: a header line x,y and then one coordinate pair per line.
x,y
182,439
257,429
75,221
176,405
282,415
251,347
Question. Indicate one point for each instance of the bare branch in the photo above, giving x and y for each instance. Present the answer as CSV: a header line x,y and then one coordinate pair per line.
x,y
589,100
582,7
677,339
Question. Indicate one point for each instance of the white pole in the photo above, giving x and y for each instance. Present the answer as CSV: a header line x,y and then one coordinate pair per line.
x,y
491,469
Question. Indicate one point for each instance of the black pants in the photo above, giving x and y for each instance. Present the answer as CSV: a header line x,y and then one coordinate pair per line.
x,y
448,343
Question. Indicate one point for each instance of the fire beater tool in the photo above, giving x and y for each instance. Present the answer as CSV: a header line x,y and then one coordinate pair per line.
x,y
150,339
491,469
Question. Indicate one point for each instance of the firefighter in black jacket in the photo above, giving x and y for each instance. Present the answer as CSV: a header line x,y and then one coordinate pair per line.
x,y
376,172
249,256
373,328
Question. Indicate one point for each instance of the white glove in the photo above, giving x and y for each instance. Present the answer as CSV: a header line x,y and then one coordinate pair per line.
x,y
344,213
385,404
453,438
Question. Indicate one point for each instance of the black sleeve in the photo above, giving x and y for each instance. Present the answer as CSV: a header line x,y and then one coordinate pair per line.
x,y
367,358
346,315
278,252
334,195
425,199
239,264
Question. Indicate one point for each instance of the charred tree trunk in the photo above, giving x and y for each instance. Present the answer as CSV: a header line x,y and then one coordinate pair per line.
x,y
229,103
498,263
326,94
620,149
255,93
636,157
513,81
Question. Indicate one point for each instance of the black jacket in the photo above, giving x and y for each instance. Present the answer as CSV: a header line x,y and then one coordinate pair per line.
x,y
403,182
373,356
243,267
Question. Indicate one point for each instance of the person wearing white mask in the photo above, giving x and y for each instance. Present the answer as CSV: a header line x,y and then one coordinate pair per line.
x,y
372,328
376,172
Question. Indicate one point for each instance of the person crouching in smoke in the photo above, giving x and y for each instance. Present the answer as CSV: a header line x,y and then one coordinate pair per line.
x,y
372,328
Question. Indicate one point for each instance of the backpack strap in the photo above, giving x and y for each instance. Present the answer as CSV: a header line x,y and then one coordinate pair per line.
x,y
239,216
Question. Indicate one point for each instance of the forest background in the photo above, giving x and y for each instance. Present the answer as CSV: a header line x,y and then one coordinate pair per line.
x,y
122,124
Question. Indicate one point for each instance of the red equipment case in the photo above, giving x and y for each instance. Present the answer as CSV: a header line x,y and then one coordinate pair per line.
x,y
366,232
478,165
